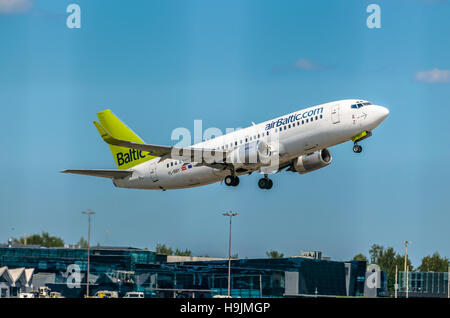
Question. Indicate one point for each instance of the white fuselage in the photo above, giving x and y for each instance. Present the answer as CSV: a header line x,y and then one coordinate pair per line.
x,y
297,133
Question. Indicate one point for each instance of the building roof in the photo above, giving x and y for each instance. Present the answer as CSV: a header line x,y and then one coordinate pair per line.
x,y
16,273
29,274
5,274
17,276
177,259
121,248
18,245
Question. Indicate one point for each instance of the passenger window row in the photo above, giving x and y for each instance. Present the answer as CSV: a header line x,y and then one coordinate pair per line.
x,y
173,163
255,137
302,122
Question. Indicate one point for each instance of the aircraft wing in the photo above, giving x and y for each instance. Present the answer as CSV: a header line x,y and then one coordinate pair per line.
x,y
113,174
192,154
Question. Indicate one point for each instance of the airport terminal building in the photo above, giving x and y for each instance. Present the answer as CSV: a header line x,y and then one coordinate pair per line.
x,y
125,269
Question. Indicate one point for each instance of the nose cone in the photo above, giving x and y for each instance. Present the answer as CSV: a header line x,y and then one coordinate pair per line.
x,y
384,112
379,114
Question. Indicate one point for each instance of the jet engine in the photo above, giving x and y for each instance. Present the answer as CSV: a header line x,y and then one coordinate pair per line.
x,y
312,161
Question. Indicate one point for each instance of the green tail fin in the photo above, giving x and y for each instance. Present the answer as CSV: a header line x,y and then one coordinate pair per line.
x,y
125,158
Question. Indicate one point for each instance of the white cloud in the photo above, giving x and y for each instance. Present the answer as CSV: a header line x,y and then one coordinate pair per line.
x,y
433,76
302,64
307,65
14,6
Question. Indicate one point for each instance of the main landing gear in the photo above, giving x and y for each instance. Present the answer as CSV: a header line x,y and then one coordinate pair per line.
x,y
232,180
265,183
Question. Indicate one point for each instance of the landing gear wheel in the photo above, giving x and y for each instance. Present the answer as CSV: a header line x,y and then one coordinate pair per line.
x,y
262,183
231,181
357,148
265,183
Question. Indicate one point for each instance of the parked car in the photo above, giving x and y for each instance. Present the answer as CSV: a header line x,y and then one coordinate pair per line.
x,y
44,292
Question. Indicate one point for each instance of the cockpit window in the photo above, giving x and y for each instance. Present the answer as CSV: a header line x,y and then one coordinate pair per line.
x,y
361,104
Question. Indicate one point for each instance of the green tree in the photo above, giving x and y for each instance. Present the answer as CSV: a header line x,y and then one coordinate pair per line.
x,y
375,253
360,257
388,259
186,252
274,254
43,240
163,249
434,263
82,243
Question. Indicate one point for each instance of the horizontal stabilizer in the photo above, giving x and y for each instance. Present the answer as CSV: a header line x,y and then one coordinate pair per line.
x,y
114,174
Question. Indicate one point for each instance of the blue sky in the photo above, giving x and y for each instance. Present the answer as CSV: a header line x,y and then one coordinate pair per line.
x,y
160,65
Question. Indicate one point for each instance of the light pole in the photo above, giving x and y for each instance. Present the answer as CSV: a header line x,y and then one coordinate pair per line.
x,y
89,213
448,283
396,281
230,214
406,267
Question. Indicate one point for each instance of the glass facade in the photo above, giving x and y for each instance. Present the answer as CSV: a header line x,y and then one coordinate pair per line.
x,y
212,278
102,259
129,269
425,283
356,278
314,276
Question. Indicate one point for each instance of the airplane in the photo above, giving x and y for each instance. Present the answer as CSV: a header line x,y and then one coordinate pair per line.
x,y
297,142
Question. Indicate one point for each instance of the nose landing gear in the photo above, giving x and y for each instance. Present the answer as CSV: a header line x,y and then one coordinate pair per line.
x,y
359,137
357,148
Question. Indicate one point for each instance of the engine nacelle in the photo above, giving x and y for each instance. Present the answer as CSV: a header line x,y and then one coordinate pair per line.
x,y
251,154
312,161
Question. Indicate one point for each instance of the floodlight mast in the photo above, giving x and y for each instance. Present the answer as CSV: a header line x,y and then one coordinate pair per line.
x,y
89,213
230,214
406,267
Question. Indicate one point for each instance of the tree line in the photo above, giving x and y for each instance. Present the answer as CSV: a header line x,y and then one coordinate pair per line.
x,y
46,240
388,259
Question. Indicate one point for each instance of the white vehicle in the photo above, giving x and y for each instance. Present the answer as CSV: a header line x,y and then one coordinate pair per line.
x,y
297,142
44,292
26,295
134,295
